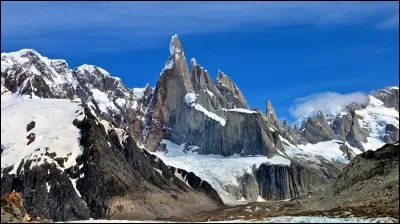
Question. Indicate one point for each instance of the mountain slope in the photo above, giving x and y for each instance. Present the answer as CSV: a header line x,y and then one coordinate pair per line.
x,y
80,166
369,182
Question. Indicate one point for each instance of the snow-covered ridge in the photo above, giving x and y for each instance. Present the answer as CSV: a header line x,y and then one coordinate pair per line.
x,y
92,69
55,68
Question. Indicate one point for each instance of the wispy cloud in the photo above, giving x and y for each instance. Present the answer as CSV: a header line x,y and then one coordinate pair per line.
x,y
110,24
391,22
326,102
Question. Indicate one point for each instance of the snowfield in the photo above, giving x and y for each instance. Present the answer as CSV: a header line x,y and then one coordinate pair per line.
x,y
53,129
215,169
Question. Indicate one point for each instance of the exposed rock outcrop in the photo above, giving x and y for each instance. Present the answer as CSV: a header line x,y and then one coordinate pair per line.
x,y
13,211
231,92
389,96
342,125
317,129
272,119
356,136
392,134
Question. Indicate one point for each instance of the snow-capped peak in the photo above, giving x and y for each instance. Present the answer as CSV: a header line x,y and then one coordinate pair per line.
x,y
193,62
92,68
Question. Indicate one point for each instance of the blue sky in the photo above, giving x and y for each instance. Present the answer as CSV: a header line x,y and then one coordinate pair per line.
x,y
288,52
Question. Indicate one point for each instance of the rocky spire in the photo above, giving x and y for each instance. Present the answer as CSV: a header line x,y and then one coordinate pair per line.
x,y
317,129
271,116
356,136
229,89
177,62
285,126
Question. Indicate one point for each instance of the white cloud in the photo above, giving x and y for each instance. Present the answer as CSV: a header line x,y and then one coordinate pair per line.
x,y
327,102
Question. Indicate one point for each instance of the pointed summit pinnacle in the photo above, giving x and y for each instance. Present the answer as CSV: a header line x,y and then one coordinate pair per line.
x,y
175,47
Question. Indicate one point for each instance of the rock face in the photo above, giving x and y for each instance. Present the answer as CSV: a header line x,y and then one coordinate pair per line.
x,y
283,182
317,130
279,182
356,136
113,178
342,125
389,96
230,91
392,133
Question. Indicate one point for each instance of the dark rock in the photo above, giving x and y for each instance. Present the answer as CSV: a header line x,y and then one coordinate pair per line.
x,y
31,138
389,96
392,133
356,136
278,182
30,126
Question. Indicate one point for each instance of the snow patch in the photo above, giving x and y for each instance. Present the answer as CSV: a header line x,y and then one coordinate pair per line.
x,y
190,99
260,199
211,94
48,187
73,181
103,102
242,199
120,102
240,110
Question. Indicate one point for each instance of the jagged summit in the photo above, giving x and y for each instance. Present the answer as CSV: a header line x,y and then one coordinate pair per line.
x,y
175,46
272,119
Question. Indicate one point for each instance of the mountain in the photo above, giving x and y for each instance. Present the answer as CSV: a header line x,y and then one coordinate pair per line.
x,y
26,72
68,163
192,109
227,152
363,126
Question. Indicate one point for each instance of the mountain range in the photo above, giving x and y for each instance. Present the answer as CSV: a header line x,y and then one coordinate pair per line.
x,y
78,143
